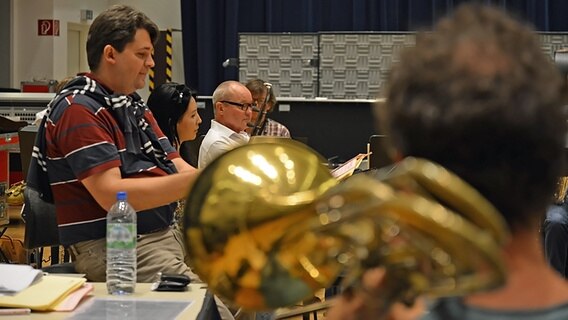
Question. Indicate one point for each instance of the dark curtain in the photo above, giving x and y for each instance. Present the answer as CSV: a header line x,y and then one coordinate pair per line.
x,y
211,27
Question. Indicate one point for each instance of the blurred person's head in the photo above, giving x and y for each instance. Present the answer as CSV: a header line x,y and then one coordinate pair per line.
x,y
478,96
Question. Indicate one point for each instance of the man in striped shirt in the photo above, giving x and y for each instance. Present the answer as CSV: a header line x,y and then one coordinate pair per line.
x,y
99,139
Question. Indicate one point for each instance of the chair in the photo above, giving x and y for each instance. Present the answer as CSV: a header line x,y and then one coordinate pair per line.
x,y
189,150
379,153
40,220
26,136
7,125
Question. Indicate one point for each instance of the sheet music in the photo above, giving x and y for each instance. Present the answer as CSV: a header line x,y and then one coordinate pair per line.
x,y
128,308
347,168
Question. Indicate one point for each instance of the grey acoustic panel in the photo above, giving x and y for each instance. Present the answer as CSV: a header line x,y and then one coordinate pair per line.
x,y
281,59
552,41
351,65
356,65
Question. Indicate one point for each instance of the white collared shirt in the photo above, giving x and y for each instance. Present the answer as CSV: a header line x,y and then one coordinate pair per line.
x,y
218,140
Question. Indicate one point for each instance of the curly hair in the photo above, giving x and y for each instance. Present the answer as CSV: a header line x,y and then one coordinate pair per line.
x,y
479,96
116,26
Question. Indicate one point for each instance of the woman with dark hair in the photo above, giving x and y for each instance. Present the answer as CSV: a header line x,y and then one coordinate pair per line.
x,y
174,106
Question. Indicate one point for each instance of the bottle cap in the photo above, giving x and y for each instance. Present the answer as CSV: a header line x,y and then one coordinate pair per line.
x,y
121,195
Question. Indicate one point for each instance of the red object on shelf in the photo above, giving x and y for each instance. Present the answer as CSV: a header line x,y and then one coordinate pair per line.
x,y
8,142
35,87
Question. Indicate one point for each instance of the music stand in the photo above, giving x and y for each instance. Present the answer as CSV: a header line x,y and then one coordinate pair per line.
x,y
379,156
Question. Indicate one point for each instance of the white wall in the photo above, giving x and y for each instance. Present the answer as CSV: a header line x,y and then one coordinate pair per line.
x,y
33,55
44,57
69,11
166,14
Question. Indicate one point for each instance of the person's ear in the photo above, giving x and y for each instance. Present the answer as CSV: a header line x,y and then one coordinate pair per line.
x,y
219,107
109,54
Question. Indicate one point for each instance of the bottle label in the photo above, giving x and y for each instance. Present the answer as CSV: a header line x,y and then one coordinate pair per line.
x,y
121,236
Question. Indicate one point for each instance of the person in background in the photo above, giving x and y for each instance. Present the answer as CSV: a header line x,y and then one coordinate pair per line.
x,y
93,138
98,138
555,230
62,83
232,108
478,96
174,106
260,92
58,87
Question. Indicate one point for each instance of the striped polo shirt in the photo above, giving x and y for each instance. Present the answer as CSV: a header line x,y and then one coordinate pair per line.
x,y
83,138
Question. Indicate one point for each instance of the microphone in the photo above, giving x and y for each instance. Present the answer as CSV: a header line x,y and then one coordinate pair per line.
x,y
231,62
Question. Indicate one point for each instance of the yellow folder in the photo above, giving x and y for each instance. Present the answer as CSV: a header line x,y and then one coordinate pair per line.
x,y
45,294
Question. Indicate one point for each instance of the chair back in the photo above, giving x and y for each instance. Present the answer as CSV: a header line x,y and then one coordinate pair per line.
x,y
40,221
39,216
27,137
41,231
379,156
189,150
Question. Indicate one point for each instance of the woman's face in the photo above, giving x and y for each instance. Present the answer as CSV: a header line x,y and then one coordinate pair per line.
x,y
188,123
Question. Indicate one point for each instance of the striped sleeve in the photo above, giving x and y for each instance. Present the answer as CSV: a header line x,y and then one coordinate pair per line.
x,y
86,141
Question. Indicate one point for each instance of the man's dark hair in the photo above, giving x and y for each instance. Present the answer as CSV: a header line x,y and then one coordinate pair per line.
x,y
116,26
479,97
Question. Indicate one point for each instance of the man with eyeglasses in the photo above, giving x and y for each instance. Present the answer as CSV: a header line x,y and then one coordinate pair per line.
x,y
232,106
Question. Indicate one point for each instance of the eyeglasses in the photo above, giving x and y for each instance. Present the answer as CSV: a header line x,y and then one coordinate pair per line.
x,y
243,106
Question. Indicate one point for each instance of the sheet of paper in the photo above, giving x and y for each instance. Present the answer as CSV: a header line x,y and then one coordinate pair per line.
x,y
346,169
128,308
16,277
72,300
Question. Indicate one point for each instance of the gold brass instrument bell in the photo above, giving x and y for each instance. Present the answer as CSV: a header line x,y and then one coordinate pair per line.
x,y
561,190
267,225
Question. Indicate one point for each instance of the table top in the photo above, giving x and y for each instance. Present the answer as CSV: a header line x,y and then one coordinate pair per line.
x,y
194,298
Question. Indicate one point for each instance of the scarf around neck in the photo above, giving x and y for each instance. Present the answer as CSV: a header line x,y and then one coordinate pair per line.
x,y
128,111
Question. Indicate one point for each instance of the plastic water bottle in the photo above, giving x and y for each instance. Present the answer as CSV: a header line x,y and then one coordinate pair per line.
x,y
121,247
